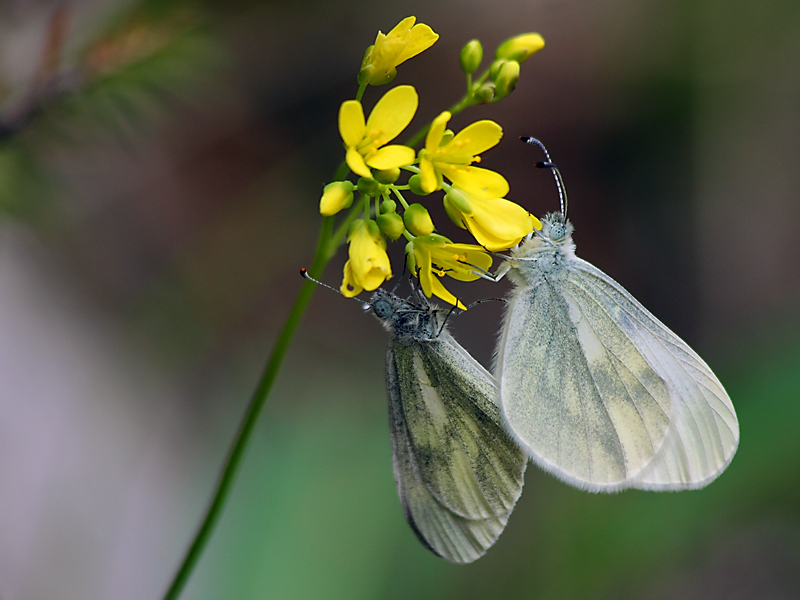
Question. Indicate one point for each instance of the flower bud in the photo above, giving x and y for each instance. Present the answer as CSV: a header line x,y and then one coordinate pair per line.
x,y
456,205
471,56
375,232
411,261
485,93
417,220
507,79
368,186
388,206
336,196
415,185
521,47
495,67
386,177
391,224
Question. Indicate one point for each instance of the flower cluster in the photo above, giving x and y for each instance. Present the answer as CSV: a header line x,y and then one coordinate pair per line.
x,y
474,197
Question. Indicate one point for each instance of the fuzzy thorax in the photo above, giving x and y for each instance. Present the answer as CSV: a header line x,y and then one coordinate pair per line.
x,y
546,253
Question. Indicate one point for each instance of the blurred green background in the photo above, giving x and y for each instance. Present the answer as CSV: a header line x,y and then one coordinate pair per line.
x,y
160,168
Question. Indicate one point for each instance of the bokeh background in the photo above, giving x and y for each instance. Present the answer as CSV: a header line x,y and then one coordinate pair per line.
x,y
160,168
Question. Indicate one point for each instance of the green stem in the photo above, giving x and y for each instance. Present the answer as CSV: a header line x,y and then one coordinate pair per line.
x,y
337,238
323,254
400,197
360,93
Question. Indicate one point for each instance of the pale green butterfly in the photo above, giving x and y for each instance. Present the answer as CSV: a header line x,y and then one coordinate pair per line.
x,y
458,473
596,390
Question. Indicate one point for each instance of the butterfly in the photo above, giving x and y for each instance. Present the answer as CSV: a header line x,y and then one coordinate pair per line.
x,y
596,390
458,473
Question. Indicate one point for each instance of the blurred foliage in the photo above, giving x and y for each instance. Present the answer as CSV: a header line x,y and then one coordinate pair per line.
x,y
138,72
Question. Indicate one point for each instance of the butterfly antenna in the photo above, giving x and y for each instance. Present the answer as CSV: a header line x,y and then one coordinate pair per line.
x,y
304,273
548,164
481,301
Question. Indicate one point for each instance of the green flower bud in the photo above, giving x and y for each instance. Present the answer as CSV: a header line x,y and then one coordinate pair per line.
x,y
386,177
391,224
415,185
388,206
336,196
495,68
368,186
459,201
411,262
471,56
446,137
507,79
372,228
520,48
456,205
417,220
485,93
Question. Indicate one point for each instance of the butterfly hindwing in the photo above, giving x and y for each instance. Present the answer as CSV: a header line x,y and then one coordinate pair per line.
x,y
704,432
458,473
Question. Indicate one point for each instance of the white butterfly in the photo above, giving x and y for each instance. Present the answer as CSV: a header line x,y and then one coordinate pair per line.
x,y
458,472
595,389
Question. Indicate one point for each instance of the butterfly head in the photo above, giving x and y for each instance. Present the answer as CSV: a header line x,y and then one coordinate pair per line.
x,y
403,318
556,229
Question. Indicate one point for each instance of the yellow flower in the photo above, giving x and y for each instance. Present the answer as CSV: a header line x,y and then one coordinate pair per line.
x,y
452,158
368,266
401,43
521,47
363,140
436,255
496,223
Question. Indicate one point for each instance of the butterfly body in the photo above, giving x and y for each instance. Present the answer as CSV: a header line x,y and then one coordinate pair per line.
x,y
597,390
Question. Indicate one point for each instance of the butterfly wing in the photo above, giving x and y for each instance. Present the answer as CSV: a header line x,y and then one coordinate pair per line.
x,y
603,395
703,432
458,473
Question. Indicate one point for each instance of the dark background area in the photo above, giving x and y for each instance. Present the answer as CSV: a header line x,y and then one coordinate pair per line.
x,y
157,208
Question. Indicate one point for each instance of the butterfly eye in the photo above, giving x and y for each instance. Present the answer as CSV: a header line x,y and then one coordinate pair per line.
x,y
383,309
557,231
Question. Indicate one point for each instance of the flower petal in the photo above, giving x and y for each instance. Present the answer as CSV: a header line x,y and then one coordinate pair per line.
x,y
478,182
372,279
349,287
468,255
442,292
436,132
422,38
475,138
403,28
498,224
423,261
393,113
392,157
428,180
351,122
356,163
